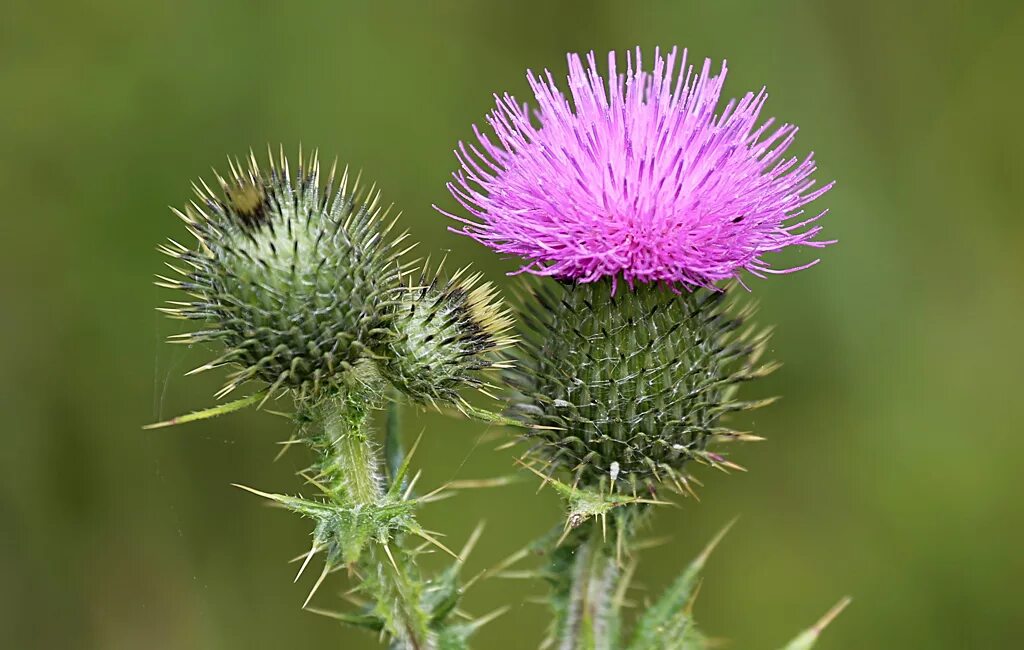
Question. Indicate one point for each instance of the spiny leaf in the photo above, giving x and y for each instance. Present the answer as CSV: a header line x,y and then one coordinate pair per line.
x,y
672,612
399,475
444,592
213,411
587,503
345,531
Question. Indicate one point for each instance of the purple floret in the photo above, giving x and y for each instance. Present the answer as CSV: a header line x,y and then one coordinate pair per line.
x,y
637,178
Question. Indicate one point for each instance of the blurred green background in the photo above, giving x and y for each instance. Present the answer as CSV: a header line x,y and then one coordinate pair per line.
x,y
892,470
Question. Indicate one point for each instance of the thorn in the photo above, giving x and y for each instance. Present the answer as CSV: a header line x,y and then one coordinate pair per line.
x,y
565,533
202,368
831,614
474,537
507,445
422,533
319,581
329,614
317,484
265,495
487,618
415,445
285,446
213,411
387,550
689,489
435,496
468,584
507,562
652,542
688,608
470,484
309,556
525,574
412,484
654,502
624,582
731,465
618,546
544,479
715,541
432,494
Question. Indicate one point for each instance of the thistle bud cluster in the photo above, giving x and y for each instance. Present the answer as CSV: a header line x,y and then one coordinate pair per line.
x,y
301,283
300,279
640,207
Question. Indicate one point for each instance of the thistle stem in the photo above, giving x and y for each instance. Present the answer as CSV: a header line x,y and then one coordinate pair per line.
x,y
350,468
350,460
589,623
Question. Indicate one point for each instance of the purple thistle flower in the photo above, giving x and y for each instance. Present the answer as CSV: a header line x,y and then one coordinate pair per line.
x,y
637,178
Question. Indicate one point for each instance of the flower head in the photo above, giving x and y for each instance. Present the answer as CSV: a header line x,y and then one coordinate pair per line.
x,y
447,331
295,278
637,178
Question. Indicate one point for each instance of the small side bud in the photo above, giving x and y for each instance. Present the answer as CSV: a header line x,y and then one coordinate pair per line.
x,y
447,331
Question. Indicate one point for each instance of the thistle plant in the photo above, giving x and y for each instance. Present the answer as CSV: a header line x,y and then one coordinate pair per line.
x,y
640,209
643,205
301,284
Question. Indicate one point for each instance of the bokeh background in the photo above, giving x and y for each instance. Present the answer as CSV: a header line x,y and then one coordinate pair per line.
x,y
892,471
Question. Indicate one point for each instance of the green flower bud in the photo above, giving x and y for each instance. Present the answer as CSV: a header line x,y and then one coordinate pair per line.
x,y
626,389
448,331
294,279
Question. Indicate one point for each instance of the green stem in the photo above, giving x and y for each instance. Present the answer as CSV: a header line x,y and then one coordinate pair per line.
x,y
590,622
350,461
350,468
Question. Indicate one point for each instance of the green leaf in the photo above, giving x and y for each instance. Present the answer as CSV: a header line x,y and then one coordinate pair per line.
x,y
809,637
402,470
346,530
443,593
669,622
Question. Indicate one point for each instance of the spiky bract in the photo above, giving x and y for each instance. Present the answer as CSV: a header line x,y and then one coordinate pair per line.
x,y
294,278
448,330
627,388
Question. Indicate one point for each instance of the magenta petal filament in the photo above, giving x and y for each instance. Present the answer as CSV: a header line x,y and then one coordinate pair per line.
x,y
635,176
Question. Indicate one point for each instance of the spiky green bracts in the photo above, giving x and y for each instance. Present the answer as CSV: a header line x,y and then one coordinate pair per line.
x,y
301,283
448,332
626,389
295,280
